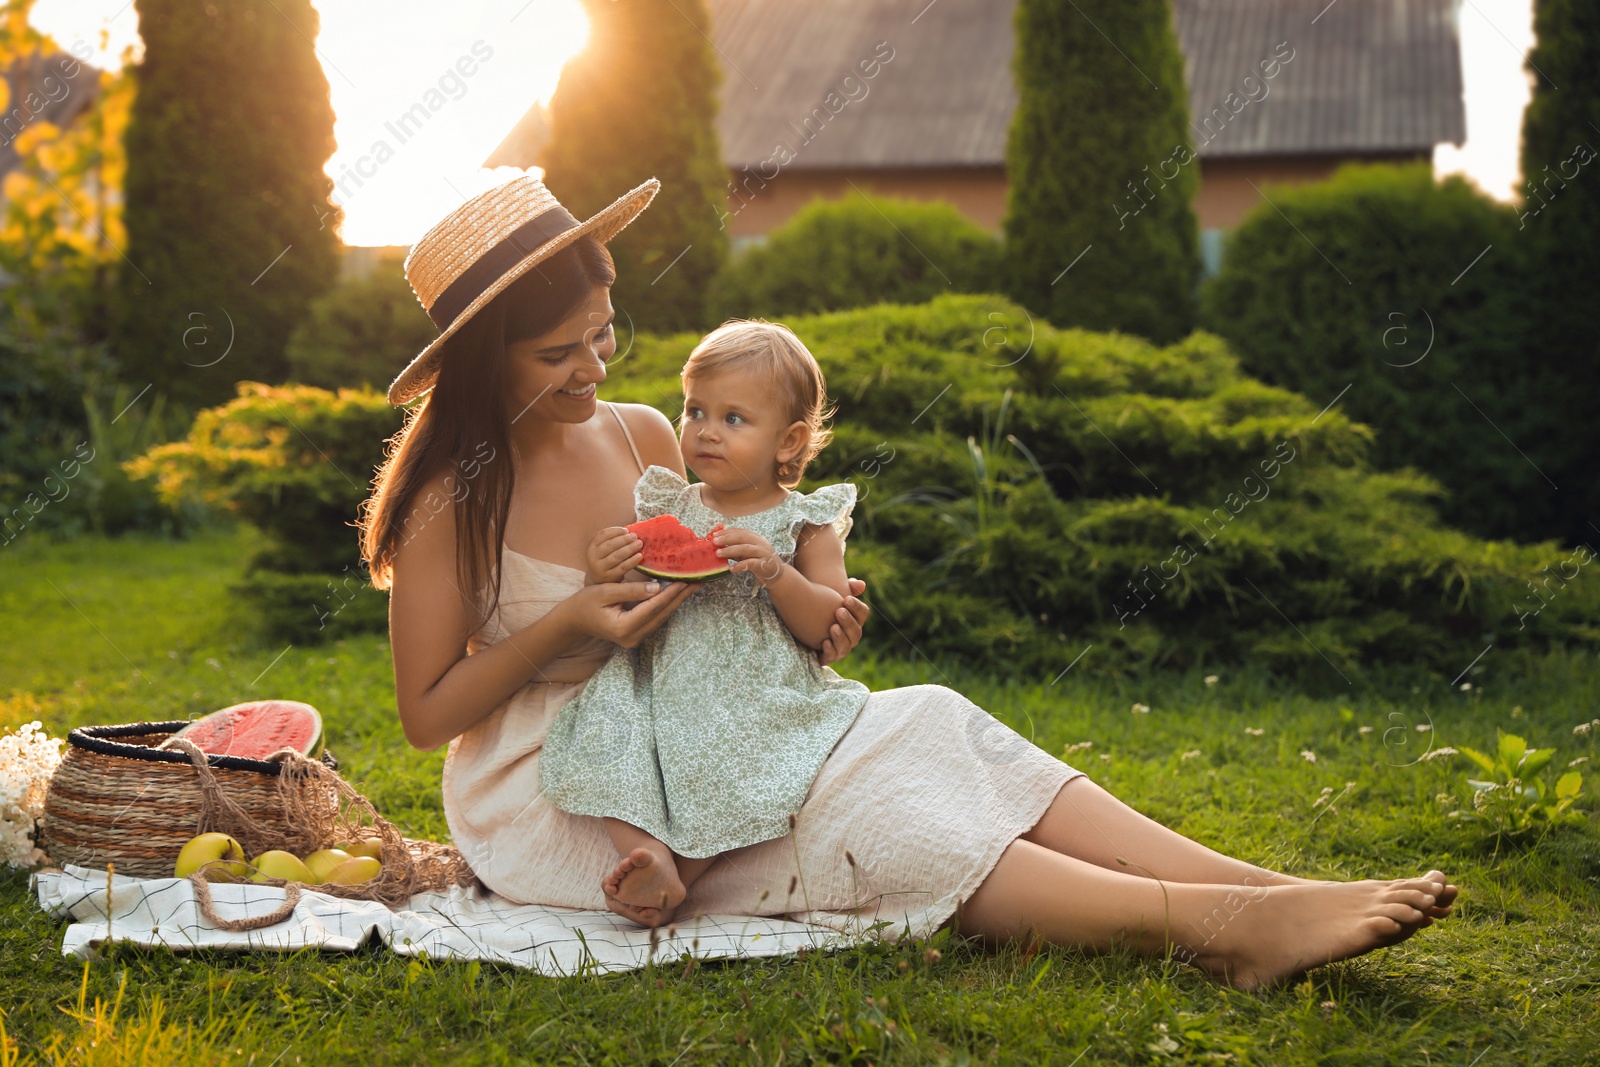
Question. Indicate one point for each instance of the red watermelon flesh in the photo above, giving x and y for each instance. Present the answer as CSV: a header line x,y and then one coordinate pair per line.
x,y
673,552
257,729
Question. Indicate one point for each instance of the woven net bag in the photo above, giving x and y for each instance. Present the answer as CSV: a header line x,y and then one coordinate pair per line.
x,y
132,796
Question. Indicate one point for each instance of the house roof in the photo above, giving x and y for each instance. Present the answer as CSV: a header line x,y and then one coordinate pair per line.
x,y
1366,76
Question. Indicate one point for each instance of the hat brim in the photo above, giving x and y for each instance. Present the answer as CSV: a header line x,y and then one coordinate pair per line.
x,y
420,374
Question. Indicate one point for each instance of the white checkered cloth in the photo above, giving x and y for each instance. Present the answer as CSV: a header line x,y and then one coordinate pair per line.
x,y
462,924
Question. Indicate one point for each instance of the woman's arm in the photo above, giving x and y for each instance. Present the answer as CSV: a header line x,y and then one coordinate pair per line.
x,y
439,689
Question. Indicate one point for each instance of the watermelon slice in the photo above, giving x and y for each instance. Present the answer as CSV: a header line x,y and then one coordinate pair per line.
x,y
673,552
257,729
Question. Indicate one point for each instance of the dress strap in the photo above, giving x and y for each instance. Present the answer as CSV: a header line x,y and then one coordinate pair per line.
x,y
625,432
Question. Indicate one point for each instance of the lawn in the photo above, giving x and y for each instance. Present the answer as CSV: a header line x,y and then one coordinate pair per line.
x,y
99,631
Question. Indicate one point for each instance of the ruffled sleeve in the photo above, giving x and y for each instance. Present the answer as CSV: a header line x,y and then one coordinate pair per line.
x,y
658,491
830,505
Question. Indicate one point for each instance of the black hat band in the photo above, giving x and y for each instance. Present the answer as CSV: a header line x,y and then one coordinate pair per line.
x,y
493,264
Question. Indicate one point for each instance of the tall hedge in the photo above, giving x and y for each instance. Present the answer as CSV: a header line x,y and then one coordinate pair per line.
x,y
641,101
1368,281
230,229
1560,222
856,251
1101,167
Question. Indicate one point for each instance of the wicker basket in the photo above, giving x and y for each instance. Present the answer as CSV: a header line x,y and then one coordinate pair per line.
x,y
117,798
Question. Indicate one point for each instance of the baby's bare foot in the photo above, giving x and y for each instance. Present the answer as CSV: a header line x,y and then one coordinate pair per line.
x,y
642,916
1290,929
645,880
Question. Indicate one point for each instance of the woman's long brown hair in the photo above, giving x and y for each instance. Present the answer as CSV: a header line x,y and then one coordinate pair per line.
x,y
463,427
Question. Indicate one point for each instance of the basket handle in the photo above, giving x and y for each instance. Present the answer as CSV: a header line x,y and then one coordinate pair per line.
x,y
202,897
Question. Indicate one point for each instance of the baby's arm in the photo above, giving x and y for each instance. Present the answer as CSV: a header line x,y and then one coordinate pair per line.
x,y
806,593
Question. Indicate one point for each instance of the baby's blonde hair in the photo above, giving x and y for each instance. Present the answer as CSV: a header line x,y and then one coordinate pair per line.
x,y
773,347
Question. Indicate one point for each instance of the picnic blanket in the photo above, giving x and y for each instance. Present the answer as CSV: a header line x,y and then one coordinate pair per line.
x,y
461,924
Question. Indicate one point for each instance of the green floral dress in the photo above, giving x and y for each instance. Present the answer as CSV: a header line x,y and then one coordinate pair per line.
x,y
709,734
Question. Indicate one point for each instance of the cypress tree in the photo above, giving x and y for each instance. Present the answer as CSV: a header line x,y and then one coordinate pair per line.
x,y
1101,166
1559,222
641,101
230,228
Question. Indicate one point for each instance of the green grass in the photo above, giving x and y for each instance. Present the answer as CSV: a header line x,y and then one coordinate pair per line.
x,y
96,631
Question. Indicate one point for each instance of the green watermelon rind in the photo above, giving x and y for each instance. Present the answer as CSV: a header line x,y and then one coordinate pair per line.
x,y
670,576
234,709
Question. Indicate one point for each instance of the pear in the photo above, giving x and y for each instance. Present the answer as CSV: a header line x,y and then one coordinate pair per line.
x,y
280,864
355,871
372,846
219,854
320,862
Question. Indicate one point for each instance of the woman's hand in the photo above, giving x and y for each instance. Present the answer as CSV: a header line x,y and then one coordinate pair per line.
x,y
613,553
625,613
845,633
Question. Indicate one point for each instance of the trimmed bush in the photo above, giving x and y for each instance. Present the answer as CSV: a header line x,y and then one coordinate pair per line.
x,y
1368,281
295,462
362,333
860,250
1028,492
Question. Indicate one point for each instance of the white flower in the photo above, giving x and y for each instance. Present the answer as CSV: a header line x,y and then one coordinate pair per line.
x,y
1080,746
1254,731
1308,755
1212,679
1580,759
1363,730
1191,754
27,760
1105,755
1423,727
1443,798
1141,709
1439,753
1583,727
1465,686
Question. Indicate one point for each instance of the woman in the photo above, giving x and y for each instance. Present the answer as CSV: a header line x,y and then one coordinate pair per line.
x,y
927,810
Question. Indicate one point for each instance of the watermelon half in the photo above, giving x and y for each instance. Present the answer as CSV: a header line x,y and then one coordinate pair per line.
x,y
673,552
257,729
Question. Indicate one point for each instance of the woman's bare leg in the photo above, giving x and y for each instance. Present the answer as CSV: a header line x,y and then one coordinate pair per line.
x,y
1244,935
1086,822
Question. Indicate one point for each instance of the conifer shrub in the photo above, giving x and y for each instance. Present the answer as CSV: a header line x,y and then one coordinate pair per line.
x,y
1028,492
1102,113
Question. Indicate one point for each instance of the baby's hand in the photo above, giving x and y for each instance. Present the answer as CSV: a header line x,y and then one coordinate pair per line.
x,y
612,554
747,552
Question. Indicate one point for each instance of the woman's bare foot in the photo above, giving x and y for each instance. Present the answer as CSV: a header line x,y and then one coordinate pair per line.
x,y
1289,929
1439,909
644,880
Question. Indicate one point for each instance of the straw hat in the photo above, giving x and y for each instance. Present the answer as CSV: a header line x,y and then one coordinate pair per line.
x,y
484,245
